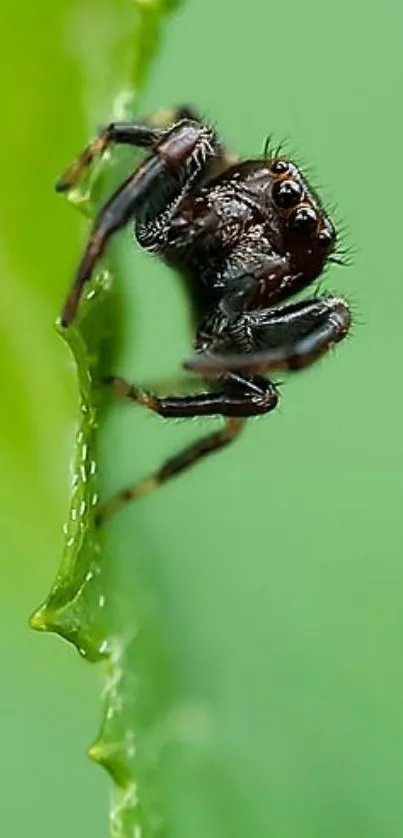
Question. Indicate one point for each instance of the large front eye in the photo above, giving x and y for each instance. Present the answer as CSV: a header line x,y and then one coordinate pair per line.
x,y
304,221
287,193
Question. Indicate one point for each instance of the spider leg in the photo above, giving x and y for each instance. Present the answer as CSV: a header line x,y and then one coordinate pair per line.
x,y
164,117
171,468
145,134
239,398
138,135
177,158
288,338
114,215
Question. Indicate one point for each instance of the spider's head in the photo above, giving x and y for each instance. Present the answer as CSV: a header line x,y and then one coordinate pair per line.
x,y
308,233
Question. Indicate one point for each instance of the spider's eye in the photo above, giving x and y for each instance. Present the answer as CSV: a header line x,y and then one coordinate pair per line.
x,y
287,193
327,236
304,221
280,167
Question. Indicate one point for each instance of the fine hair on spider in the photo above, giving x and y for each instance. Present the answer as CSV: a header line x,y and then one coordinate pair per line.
x,y
247,236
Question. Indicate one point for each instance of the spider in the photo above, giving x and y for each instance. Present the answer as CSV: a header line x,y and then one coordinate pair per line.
x,y
245,235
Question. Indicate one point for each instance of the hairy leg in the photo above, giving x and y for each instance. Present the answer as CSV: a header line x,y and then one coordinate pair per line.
x,y
138,135
178,156
288,338
239,397
164,117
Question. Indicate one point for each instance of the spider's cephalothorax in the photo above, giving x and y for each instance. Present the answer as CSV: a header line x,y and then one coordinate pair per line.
x,y
245,236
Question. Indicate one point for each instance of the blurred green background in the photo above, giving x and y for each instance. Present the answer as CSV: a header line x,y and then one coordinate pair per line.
x,y
277,566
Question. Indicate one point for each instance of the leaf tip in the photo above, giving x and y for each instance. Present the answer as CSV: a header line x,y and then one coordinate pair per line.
x,y
38,621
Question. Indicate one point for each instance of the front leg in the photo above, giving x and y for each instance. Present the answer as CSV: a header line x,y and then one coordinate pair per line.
x,y
135,134
288,338
145,134
160,181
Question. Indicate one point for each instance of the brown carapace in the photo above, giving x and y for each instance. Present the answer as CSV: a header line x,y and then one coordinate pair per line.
x,y
245,236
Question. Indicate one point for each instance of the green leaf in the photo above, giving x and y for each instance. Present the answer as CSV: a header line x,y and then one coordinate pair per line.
x,y
89,604
263,677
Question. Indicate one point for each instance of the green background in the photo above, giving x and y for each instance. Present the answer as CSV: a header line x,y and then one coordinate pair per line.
x,y
276,567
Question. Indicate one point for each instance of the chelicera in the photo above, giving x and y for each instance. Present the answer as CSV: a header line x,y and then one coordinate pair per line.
x,y
245,236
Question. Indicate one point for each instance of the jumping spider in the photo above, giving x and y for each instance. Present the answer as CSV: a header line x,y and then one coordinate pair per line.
x,y
245,235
